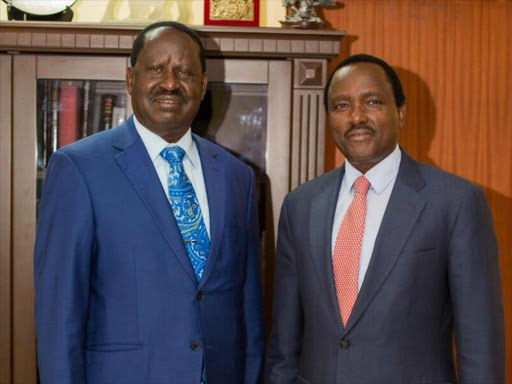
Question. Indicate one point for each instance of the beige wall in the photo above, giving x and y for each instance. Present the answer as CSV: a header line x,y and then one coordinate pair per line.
x,y
188,12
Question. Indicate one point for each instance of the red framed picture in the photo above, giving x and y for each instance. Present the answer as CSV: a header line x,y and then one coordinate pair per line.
x,y
232,12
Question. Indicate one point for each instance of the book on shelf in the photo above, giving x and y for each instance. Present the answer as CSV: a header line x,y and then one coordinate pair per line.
x,y
107,104
68,114
69,110
116,93
85,118
53,134
95,115
43,93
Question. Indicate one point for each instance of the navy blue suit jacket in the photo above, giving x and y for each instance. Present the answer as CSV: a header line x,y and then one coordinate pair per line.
x,y
433,273
117,300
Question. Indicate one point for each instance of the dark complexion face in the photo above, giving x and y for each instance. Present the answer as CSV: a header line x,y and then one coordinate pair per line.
x,y
167,83
363,115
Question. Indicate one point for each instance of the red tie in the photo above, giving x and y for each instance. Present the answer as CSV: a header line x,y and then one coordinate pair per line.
x,y
348,250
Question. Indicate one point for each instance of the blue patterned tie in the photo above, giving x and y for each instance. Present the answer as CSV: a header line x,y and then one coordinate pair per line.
x,y
187,212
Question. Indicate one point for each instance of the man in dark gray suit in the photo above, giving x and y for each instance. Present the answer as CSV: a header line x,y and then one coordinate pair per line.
x,y
380,262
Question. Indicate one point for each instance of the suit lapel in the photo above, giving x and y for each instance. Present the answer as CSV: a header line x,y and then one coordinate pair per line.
x,y
323,207
404,208
214,180
138,168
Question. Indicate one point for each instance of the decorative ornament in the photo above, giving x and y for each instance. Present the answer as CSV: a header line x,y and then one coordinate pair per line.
x,y
301,13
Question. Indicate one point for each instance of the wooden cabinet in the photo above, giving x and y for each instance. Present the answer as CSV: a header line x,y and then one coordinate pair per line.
x,y
274,76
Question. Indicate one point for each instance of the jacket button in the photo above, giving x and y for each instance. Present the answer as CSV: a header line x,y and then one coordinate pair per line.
x,y
195,346
344,344
200,295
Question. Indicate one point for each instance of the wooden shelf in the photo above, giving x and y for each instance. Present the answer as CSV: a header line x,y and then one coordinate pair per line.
x,y
58,37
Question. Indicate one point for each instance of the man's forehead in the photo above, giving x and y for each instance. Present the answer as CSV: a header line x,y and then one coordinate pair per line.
x,y
169,37
367,78
154,33
352,68
344,71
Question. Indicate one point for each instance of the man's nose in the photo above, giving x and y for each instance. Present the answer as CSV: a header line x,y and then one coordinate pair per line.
x,y
170,81
358,114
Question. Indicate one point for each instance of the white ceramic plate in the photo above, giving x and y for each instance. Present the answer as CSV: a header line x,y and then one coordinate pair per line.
x,y
42,7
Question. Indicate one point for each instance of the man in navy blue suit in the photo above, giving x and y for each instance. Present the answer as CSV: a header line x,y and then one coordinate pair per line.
x,y
128,290
381,262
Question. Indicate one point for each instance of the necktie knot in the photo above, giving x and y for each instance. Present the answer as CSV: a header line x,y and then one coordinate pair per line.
x,y
173,154
361,185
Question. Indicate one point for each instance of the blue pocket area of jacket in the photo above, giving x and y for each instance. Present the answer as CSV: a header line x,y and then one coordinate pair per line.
x,y
113,347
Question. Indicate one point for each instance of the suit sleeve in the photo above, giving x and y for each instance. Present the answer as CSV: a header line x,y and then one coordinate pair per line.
x,y
252,295
476,295
62,256
287,323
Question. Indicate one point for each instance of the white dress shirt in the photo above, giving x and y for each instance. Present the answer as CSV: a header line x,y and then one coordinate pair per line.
x,y
191,163
382,177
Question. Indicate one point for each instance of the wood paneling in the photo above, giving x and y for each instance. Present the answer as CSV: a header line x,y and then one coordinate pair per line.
x,y
455,62
5,218
23,220
307,138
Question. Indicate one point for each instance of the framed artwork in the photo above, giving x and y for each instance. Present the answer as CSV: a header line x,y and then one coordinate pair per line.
x,y
232,12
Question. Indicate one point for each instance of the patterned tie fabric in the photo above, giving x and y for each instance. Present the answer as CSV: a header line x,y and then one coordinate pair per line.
x,y
187,211
347,250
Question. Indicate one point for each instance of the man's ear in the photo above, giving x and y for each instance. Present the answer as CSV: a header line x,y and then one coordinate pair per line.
x,y
129,79
401,115
204,85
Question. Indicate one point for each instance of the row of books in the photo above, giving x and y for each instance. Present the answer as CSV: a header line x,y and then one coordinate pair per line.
x,y
71,110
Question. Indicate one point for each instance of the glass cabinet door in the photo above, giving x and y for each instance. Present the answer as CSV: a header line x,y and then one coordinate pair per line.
x,y
69,110
247,110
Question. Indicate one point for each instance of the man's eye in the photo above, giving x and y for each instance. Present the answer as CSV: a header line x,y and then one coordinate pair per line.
x,y
155,69
184,73
341,106
375,102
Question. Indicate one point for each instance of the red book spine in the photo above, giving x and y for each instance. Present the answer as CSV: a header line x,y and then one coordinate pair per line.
x,y
68,116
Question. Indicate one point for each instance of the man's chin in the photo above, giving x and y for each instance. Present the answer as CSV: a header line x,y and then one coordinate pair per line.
x,y
359,153
362,158
169,108
169,118
165,126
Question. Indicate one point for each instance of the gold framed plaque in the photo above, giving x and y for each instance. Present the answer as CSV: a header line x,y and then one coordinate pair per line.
x,y
232,12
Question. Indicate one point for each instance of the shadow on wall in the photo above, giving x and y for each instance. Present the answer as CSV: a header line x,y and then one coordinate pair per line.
x,y
416,137
420,122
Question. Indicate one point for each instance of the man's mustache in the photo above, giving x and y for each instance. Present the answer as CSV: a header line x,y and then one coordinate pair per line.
x,y
174,93
359,127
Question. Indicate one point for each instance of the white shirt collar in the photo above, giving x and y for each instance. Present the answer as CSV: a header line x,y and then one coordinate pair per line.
x,y
380,175
154,143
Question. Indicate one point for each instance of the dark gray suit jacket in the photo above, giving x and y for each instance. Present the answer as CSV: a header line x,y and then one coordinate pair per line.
x,y
434,272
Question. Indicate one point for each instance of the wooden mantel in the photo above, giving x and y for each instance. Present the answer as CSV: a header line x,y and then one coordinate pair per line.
x,y
59,37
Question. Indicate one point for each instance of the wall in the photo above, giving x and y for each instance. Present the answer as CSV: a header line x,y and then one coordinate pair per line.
x,y
455,62
144,11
